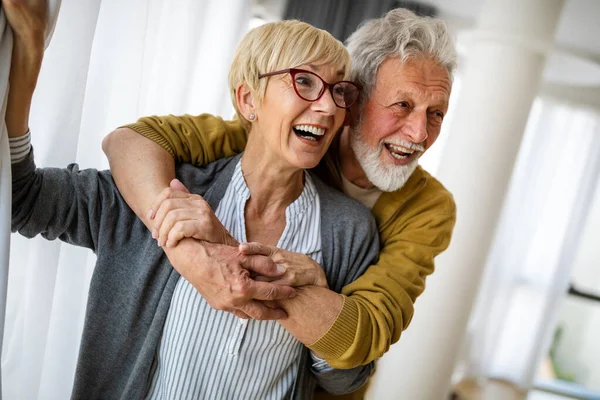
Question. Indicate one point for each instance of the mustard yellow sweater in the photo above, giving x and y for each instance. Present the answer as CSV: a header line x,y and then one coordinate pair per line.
x,y
415,224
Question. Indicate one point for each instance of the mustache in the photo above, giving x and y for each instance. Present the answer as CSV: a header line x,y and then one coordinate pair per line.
x,y
403,143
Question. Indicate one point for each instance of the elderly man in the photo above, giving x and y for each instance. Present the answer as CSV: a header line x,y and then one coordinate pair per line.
x,y
405,65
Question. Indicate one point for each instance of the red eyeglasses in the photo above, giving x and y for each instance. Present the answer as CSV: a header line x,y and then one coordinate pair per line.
x,y
310,87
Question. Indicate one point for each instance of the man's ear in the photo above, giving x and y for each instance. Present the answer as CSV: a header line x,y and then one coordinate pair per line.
x,y
245,101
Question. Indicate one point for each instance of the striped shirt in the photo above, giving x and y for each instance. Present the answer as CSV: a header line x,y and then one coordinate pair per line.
x,y
210,354
19,147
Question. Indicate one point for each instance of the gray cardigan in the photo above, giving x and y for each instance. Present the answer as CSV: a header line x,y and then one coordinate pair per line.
x,y
133,282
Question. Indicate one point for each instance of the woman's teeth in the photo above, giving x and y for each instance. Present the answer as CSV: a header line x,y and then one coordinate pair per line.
x,y
309,132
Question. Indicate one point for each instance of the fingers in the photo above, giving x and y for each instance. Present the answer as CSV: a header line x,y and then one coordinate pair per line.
x,y
181,221
180,208
240,314
257,310
262,265
166,193
177,185
254,248
181,230
267,291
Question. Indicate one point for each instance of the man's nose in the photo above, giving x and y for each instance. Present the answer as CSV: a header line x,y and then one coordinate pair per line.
x,y
416,126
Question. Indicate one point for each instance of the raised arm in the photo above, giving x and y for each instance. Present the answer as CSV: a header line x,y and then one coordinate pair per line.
x,y
28,21
142,155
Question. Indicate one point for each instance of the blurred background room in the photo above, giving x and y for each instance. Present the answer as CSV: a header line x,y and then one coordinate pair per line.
x,y
513,309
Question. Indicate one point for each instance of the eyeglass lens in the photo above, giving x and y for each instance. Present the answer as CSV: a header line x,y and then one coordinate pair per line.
x,y
310,87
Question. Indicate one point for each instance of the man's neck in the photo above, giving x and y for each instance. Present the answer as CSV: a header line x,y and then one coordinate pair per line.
x,y
349,165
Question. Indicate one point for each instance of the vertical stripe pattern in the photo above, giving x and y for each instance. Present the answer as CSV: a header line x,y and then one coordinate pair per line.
x,y
210,354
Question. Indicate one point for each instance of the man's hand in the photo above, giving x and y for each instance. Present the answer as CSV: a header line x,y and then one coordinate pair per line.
x,y
311,313
178,214
300,269
222,276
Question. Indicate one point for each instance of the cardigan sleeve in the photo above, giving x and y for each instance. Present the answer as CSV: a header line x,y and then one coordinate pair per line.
x,y
69,204
378,306
196,139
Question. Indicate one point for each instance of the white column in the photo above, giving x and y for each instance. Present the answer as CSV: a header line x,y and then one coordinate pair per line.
x,y
505,62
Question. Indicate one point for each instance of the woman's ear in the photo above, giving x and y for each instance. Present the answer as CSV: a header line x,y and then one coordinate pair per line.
x,y
245,101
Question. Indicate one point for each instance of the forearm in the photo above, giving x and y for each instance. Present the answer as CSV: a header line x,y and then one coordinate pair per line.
x,y
311,313
24,71
140,167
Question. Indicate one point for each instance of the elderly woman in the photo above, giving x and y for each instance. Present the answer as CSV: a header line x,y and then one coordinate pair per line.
x,y
148,333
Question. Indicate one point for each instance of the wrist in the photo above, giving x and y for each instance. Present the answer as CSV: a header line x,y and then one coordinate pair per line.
x,y
31,41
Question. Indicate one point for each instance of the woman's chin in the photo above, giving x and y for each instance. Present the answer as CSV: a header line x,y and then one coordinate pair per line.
x,y
306,162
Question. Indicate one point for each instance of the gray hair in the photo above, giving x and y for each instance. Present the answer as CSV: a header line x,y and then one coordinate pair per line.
x,y
399,33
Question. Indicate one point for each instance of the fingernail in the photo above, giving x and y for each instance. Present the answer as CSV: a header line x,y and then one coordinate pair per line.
x,y
150,214
280,268
154,233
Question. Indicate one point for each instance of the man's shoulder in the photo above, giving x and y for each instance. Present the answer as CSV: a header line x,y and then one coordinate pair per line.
x,y
423,190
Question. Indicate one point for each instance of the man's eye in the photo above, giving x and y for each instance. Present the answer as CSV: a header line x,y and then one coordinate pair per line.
x,y
402,104
439,114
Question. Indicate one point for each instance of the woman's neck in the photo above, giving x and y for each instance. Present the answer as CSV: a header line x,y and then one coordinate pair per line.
x,y
273,186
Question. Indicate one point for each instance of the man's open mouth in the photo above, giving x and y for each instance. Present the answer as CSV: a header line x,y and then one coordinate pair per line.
x,y
399,152
309,132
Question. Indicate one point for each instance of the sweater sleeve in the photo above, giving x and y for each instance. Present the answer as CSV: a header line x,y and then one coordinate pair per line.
x,y
196,139
379,305
65,204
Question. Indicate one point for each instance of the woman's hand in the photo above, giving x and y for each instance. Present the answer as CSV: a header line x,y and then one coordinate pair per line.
x,y
178,214
28,19
300,269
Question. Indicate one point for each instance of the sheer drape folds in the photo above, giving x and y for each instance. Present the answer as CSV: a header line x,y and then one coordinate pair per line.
x,y
528,269
5,185
342,17
109,63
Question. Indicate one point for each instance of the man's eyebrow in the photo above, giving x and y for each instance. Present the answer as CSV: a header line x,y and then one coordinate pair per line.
x,y
409,94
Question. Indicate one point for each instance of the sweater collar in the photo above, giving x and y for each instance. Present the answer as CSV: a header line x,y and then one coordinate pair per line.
x,y
390,204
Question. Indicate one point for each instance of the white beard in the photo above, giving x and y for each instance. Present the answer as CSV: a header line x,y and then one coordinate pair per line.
x,y
387,177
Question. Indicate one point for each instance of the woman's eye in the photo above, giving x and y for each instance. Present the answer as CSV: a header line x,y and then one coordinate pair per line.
x,y
339,91
304,81
402,104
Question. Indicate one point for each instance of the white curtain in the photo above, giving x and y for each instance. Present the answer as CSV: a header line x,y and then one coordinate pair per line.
x,y
109,62
528,268
5,185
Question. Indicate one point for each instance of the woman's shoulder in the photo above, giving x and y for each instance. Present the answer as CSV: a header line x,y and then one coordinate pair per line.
x,y
199,179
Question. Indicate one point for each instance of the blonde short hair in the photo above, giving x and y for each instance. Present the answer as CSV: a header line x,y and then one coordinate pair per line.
x,y
280,45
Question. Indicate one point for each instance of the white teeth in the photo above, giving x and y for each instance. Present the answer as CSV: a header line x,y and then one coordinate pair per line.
x,y
400,149
398,156
311,129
